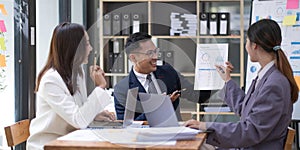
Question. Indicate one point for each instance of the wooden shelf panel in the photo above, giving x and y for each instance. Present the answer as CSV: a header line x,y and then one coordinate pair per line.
x,y
220,37
181,37
187,74
170,0
235,74
212,103
184,74
174,37
213,113
219,0
173,0
115,37
125,0
116,74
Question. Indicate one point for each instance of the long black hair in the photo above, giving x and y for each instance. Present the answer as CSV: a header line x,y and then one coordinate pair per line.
x,y
267,34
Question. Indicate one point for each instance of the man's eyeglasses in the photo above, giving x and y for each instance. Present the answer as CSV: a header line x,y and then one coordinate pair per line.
x,y
149,53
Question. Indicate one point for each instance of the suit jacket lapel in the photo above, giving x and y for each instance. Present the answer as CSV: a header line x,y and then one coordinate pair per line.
x,y
265,77
161,79
134,82
256,91
247,95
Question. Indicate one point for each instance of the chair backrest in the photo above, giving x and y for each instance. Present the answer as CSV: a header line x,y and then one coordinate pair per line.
x,y
17,133
289,139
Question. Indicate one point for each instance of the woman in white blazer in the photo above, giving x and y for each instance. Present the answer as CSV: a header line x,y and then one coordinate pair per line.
x,y
62,102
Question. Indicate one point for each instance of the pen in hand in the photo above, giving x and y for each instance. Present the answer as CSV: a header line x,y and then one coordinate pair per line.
x,y
179,91
94,64
221,69
95,58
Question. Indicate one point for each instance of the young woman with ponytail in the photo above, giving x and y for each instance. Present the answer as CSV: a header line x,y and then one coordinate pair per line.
x,y
266,110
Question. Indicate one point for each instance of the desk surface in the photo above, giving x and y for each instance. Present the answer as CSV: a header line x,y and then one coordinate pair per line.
x,y
83,145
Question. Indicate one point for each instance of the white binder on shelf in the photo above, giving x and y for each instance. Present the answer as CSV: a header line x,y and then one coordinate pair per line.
x,y
203,23
213,23
136,22
224,23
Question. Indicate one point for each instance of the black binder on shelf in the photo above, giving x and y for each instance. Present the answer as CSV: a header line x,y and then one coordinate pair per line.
x,y
136,22
107,24
109,59
116,24
125,24
203,23
224,23
213,23
160,58
120,63
169,57
118,57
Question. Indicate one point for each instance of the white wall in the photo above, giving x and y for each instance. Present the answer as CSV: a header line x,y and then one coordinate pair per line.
x,y
77,11
46,19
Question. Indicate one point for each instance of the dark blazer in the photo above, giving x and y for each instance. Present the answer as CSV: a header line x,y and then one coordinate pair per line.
x,y
264,118
167,79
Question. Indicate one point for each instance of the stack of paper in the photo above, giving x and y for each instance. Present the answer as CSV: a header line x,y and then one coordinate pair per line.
x,y
183,24
166,134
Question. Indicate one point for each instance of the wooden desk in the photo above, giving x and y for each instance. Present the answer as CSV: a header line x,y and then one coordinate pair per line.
x,y
81,145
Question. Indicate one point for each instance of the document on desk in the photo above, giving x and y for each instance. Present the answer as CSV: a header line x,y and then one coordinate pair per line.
x,y
206,75
166,134
81,135
147,136
134,136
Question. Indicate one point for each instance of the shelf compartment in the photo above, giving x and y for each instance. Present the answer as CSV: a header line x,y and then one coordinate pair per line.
x,y
116,74
161,11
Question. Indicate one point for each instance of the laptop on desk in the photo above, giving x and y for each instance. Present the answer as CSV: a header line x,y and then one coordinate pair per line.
x,y
159,110
128,115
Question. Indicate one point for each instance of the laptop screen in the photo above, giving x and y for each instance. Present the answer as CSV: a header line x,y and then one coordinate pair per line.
x,y
159,110
130,106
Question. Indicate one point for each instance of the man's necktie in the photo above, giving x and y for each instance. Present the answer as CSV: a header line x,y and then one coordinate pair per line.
x,y
151,86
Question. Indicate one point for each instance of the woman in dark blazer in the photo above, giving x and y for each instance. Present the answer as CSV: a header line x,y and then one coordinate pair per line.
x,y
265,111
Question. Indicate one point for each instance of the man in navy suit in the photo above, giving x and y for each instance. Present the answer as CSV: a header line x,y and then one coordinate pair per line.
x,y
144,54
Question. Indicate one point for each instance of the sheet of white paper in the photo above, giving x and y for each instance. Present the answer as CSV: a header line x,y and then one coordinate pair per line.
x,y
206,75
81,135
130,135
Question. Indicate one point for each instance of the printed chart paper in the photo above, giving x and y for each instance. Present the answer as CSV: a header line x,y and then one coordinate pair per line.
x,y
206,75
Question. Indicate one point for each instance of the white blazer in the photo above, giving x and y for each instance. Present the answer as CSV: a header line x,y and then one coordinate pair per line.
x,y
59,113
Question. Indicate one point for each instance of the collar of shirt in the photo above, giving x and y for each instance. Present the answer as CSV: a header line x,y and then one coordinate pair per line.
x,y
263,71
142,78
